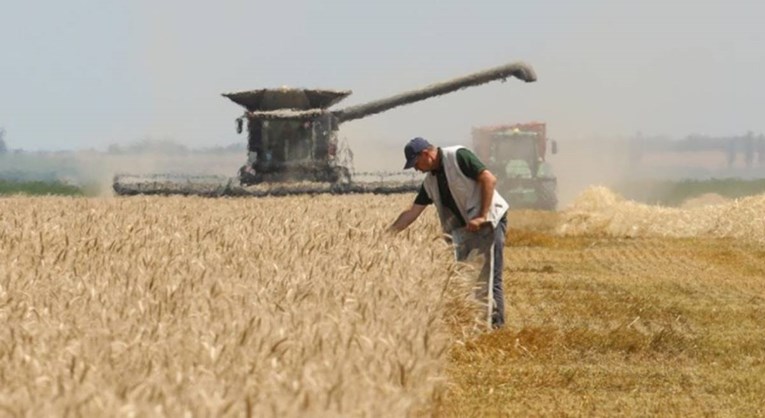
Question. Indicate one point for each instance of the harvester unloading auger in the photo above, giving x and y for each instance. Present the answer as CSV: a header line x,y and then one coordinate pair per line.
x,y
293,144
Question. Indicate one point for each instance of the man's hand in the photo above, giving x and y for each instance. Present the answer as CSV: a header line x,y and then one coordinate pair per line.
x,y
476,223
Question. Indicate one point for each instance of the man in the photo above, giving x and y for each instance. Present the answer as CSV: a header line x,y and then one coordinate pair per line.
x,y
471,211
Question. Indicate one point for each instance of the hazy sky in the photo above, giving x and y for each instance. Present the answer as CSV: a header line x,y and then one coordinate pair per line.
x,y
79,74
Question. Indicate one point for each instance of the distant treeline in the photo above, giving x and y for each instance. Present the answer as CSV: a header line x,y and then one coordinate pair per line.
x,y
78,167
3,146
750,145
42,188
658,192
169,147
149,146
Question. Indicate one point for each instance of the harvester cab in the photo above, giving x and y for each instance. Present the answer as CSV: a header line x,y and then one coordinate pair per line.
x,y
292,141
291,135
517,155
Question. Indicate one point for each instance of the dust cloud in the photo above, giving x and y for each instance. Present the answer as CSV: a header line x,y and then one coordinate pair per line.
x,y
372,150
95,171
580,164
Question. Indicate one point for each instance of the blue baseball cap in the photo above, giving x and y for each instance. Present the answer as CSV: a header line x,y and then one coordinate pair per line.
x,y
412,149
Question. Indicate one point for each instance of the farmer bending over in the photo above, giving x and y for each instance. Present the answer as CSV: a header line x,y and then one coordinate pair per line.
x,y
471,212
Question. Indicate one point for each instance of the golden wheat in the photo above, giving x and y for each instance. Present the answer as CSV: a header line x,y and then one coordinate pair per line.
x,y
265,307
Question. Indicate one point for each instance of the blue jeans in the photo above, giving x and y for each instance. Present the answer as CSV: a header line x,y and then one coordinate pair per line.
x,y
480,243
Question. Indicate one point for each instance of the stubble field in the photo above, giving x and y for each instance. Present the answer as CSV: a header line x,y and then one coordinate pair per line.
x,y
305,307
621,309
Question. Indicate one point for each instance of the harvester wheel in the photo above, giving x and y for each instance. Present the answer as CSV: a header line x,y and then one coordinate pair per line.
x,y
247,175
343,175
547,197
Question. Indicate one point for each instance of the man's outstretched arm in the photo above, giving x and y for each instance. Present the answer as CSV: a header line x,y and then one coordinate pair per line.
x,y
407,217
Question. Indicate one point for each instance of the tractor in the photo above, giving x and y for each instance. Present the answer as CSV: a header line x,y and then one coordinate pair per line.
x,y
516,154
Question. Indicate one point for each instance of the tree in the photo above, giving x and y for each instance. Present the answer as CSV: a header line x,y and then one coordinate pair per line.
x,y
3,147
114,149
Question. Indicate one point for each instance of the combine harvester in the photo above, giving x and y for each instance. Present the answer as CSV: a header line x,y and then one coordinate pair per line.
x,y
293,143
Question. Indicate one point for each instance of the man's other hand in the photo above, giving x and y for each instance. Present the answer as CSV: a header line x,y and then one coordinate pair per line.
x,y
476,223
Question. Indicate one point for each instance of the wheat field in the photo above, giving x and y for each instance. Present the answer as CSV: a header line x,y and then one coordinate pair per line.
x,y
305,306
179,306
